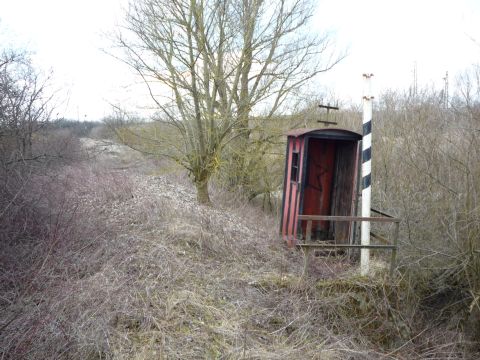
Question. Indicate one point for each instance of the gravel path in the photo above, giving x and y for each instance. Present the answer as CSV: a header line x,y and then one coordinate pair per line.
x,y
177,198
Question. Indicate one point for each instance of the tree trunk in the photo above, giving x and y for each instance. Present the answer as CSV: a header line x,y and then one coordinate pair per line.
x,y
26,147
203,196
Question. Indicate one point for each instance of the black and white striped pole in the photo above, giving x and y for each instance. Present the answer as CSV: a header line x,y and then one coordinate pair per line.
x,y
366,172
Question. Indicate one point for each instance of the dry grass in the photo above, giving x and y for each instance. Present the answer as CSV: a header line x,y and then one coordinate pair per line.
x,y
143,272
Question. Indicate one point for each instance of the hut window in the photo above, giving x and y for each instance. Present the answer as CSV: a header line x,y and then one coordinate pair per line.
x,y
294,172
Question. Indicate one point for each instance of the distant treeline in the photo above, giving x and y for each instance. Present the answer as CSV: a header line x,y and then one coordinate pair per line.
x,y
78,128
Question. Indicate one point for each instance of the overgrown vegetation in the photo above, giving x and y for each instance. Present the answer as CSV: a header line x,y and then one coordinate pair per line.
x,y
136,269
428,174
106,254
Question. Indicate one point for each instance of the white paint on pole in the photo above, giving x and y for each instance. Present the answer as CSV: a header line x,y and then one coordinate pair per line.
x,y
366,169
366,173
367,140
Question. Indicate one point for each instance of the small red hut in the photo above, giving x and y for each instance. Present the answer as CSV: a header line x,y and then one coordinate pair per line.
x,y
321,174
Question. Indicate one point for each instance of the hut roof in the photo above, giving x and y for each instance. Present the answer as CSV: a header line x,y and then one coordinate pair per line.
x,y
325,133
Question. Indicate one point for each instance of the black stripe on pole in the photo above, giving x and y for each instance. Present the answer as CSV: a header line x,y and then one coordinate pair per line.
x,y
367,127
367,181
366,155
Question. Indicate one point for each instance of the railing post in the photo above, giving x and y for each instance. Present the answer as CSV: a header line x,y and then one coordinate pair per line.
x,y
308,238
394,251
309,231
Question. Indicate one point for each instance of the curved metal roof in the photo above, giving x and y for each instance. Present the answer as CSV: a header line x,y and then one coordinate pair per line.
x,y
325,132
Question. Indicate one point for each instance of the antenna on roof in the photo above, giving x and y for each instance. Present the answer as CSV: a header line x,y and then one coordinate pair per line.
x,y
328,107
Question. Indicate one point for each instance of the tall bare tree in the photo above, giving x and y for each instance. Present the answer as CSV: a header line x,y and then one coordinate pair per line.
x,y
210,64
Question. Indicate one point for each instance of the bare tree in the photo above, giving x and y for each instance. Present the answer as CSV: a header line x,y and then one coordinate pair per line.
x,y
210,64
467,102
24,104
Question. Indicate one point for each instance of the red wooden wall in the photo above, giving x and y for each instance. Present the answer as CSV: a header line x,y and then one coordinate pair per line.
x,y
291,189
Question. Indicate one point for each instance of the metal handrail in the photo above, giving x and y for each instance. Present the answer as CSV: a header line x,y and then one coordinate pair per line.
x,y
385,219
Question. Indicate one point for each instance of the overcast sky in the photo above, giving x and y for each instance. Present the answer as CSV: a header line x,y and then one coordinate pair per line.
x,y
383,37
